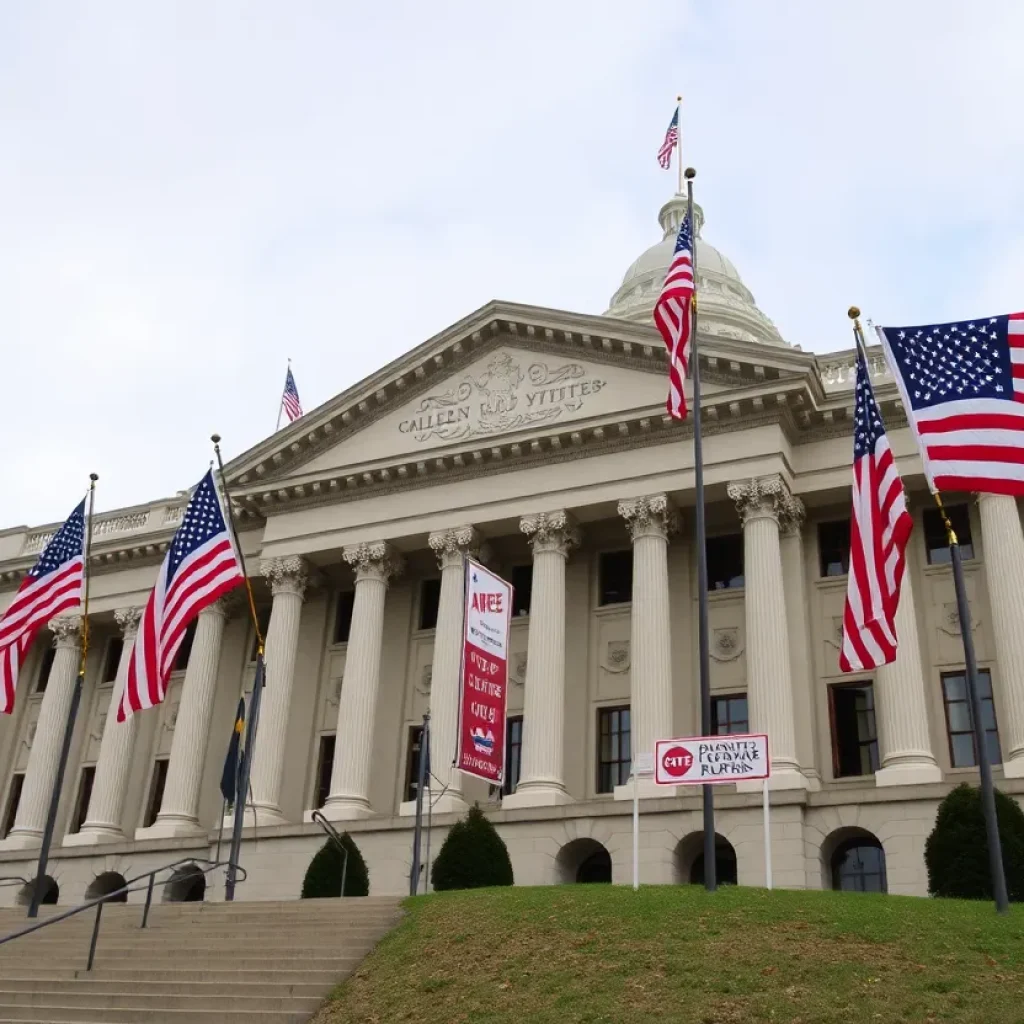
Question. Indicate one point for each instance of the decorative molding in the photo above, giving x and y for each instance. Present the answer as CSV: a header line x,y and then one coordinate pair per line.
x,y
949,621
618,657
67,630
288,575
726,644
551,531
517,677
374,560
425,680
451,546
128,620
836,639
653,516
760,497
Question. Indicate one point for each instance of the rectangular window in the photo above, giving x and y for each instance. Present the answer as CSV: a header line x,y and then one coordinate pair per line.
x,y
854,737
112,658
614,750
513,753
263,618
725,562
156,791
185,650
615,577
522,589
729,715
834,548
13,799
44,669
343,616
324,768
412,762
430,601
960,723
935,539
82,802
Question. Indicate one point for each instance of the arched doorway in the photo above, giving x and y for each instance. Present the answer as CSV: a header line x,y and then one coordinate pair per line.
x,y
690,860
51,892
186,885
107,882
853,860
583,861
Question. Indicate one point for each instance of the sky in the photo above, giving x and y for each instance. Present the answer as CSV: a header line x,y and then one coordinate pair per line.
x,y
192,193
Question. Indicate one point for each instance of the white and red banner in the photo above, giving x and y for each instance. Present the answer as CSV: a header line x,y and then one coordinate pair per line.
x,y
484,685
700,759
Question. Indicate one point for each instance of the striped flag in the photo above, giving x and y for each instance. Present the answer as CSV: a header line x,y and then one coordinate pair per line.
x,y
673,320
290,398
879,529
53,585
201,566
671,138
963,388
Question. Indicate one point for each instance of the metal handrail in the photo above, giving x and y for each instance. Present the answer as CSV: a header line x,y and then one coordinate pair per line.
x,y
129,886
332,835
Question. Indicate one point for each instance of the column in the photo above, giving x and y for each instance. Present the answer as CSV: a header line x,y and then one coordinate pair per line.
x,y
649,521
1004,569
765,504
552,535
103,822
43,758
288,578
179,808
374,565
901,705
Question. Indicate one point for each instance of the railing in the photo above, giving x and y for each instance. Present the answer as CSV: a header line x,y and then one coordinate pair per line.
x,y
130,886
332,834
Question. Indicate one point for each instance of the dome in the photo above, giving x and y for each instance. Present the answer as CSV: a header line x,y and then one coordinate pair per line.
x,y
727,308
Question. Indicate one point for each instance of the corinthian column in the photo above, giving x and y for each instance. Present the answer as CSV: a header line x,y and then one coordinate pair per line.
x,y
374,565
43,758
288,579
542,782
1004,569
179,808
103,822
765,504
903,740
649,521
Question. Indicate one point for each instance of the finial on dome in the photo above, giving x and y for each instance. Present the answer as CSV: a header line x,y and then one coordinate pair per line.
x,y
853,312
689,174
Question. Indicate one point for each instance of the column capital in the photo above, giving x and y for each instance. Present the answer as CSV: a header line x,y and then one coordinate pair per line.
x,y
792,516
651,516
286,575
374,560
67,630
551,531
451,545
765,497
128,620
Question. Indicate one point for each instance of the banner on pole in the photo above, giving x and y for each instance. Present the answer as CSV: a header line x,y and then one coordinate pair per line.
x,y
700,759
484,684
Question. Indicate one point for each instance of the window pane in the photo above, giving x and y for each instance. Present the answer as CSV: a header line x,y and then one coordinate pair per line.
x,y
935,534
959,717
615,577
430,598
522,589
44,669
324,768
84,795
984,683
955,687
988,714
995,755
963,750
343,616
834,548
725,562
156,791
115,645
185,650
854,740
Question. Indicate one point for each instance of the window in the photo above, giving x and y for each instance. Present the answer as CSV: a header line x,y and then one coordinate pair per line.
x,y
615,577
112,658
834,548
858,865
430,600
729,715
263,618
412,762
614,754
13,799
513,754
343,616
854,737
725,562
522,589
324,768
44,669
960,724
156,791
935,534
185,650
84,795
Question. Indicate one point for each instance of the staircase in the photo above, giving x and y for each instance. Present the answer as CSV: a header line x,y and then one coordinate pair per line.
x,y
195,963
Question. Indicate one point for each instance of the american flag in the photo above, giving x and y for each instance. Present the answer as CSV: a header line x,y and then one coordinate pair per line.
x,y
290,398
671,138
963,389
201,566
672,317
879,529
53,585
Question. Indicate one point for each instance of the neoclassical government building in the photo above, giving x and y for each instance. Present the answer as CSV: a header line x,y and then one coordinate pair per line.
x,y
536,440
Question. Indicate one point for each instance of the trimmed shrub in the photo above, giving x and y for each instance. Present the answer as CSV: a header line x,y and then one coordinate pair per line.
x,y
956,852
472,856
323,876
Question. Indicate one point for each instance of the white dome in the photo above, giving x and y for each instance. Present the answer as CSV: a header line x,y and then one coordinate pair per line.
x,y
726,306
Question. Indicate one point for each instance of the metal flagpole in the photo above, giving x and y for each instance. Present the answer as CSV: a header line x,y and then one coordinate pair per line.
x,y
421,778
679,142
245,756
710,879
69,725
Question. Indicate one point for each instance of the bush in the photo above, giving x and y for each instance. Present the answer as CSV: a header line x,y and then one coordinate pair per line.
x,y
956,852
323,876
472,856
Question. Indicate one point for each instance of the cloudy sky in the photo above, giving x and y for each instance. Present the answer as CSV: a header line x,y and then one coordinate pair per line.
x,y
192,192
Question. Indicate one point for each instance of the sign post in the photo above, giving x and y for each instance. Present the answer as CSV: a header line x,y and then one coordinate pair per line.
x,y
643,764
767,837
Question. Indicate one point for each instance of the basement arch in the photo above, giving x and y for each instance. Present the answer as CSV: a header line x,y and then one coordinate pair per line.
x,y
105,883
186,885
51,892
583,861
689,859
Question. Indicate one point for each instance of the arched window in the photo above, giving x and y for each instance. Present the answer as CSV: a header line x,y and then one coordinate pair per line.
x,y
583,860
858,865
725,864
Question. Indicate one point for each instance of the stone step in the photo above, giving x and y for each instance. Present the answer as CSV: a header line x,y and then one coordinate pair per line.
x,y
58,1013
177,979
199,937
141,1000
157,964
225,984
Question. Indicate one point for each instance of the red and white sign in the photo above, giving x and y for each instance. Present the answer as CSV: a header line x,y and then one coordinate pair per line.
x,y
484,689
700,759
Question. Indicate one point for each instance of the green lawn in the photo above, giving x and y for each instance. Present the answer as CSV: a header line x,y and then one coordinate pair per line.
x,y
576,954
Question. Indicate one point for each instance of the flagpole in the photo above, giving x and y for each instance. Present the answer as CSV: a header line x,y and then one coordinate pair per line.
x,y
679,143
245,760
710,874
280,405
69,726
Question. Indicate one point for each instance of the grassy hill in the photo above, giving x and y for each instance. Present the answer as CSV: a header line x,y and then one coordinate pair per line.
x,y
590,954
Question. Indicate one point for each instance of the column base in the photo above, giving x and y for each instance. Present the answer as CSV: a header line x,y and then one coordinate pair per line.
x,y
780,779
647,789
913,773
95,835
343,809
22,841
1014,768
259,816
171,828
540,795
